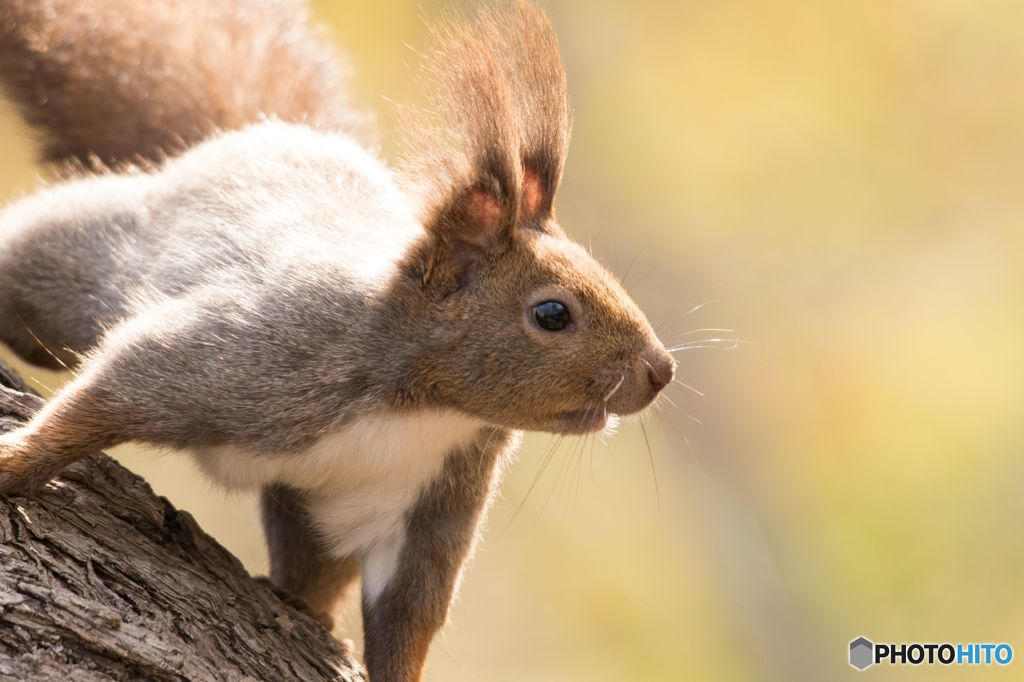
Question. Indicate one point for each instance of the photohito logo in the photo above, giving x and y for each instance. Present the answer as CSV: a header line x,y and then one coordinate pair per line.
x,y
864,653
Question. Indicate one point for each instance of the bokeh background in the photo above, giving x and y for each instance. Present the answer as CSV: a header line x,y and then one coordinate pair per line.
x,y
839,183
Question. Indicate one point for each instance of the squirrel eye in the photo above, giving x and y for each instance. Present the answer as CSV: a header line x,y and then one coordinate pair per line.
x,y
552,316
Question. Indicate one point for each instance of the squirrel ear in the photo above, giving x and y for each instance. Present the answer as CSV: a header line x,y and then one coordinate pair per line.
x,y
477,220
538,197
488,158
533,197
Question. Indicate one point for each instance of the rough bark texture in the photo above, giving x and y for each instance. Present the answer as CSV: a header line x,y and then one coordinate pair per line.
x,y
101,579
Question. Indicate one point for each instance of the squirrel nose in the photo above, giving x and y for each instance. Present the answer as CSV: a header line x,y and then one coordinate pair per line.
x,y
661,368
657,383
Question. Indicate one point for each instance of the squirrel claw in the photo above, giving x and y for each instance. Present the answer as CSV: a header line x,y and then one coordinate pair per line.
x,y
325,620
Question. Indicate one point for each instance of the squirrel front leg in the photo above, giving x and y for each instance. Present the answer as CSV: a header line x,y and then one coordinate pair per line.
x,y
408,585
75,423
301,567
122,393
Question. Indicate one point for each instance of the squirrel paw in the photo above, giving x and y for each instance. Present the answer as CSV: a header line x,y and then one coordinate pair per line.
x,y
18,476
325,620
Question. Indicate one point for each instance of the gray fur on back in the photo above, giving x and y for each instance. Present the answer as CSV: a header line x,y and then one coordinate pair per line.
x,y
236,247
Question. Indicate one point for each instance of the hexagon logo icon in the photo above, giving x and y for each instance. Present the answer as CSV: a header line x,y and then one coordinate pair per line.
x,y
862,653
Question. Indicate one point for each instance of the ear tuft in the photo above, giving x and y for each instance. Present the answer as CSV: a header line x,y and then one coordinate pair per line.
x,y
500,119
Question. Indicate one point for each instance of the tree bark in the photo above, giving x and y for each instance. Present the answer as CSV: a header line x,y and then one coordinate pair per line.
x,y
101,579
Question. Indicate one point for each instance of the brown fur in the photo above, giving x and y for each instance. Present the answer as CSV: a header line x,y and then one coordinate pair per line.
x,y
299,561
500,116
195,333
442,529
64,432
164,75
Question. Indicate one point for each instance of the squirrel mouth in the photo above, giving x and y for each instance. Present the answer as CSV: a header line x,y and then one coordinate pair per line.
x,y
587,420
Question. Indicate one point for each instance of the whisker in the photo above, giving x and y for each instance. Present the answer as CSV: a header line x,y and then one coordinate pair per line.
x,y
679,409
674,322
650,456
572,472
563,465
720,330
686,440
673,403
569,471
578,469
677,380
576,454
699,306
545,461
718,343
592,438
629,267
616,388
649,366
629,289
559,473
590,456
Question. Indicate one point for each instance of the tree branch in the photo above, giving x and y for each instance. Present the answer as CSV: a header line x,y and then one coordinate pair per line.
x,y
101,579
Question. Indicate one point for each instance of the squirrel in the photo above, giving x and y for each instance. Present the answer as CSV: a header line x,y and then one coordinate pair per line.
x,y
232,271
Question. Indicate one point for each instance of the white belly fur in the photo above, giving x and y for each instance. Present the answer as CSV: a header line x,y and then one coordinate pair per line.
x,y
361,480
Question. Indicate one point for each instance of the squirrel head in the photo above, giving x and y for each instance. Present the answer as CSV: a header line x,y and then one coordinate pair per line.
x,y
536,334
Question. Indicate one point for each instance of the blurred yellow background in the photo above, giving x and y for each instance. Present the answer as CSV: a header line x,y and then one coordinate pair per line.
x,y
838,182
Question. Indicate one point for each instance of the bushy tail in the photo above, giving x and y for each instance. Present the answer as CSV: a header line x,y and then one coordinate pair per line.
x,y
124,81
